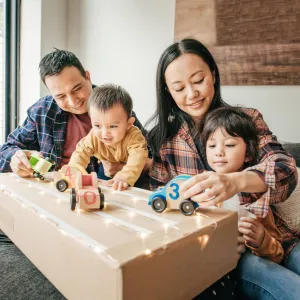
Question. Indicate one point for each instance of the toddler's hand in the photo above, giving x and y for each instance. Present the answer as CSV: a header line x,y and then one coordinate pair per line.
x,y
117,184
253,231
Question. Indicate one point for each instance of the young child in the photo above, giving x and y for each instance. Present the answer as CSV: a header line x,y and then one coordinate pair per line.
x,y
229,140
112,137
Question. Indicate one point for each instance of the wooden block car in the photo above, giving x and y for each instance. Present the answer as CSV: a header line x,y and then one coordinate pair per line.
x,y
170,197
86,194
40,165
65,178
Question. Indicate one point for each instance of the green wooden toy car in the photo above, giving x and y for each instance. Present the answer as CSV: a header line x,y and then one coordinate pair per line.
x,y
40,165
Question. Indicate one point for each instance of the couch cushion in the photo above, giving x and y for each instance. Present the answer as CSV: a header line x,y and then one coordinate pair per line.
x,y
290,209
294,150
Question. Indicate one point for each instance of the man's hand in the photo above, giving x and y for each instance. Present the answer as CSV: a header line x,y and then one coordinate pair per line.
x,y
253,231
110,168
20,162
118,184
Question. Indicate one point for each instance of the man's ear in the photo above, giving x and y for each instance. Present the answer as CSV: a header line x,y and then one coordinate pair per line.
x,y
130,122
87,75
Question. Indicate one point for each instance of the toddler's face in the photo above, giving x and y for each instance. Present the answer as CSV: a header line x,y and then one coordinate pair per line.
x,y
110,126
225,153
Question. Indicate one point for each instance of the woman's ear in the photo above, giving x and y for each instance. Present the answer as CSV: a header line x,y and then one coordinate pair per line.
x,y
248,158
214,76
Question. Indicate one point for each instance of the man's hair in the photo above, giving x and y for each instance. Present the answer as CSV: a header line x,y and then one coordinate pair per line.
x,y
54,62
106,96
236,123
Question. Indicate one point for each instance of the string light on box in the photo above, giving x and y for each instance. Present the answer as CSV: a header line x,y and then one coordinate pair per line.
x,y
131,214
143,236
97,249
148,252
63,232
108,221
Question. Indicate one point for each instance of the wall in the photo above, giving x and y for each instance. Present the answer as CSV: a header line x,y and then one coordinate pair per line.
x,y
280,106
120,42
43,27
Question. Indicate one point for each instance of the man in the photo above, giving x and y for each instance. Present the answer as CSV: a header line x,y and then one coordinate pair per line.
x,y
53,126
49,126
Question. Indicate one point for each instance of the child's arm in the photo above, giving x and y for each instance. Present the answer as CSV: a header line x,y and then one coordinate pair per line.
x,y
137,156
84,151
263,241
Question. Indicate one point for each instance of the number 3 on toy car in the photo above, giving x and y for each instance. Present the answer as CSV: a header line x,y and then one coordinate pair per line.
x,y
175,187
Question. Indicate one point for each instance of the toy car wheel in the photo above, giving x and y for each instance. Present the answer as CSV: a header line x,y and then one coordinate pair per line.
x,y
101,199
158,204
73,199
51,161
187,207
61,185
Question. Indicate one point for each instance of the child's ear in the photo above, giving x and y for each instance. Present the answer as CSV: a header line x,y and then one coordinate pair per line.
x,y
130,121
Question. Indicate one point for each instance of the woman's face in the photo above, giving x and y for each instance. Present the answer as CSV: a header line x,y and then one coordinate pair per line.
x,y
191,84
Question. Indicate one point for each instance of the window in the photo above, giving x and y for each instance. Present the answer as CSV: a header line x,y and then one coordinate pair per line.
x,y
1,75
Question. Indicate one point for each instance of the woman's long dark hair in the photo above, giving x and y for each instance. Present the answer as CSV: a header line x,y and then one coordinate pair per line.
x,y
168,117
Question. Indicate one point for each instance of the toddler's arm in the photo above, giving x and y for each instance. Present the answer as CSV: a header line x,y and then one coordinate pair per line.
x,y
137,157
83,153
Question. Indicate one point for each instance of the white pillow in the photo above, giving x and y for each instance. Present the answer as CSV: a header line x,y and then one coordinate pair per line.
x,y
289,210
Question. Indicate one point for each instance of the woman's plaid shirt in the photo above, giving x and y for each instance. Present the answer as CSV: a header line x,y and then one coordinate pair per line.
x,y
276,167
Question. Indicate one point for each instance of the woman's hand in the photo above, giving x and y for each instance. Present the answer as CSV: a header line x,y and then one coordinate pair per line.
x,y
253,231
220,187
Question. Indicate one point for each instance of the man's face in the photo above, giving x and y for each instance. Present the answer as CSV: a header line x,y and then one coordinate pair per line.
x,y
70,90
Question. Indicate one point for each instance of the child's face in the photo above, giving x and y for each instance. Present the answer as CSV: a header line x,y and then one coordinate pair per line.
x,y
110,126
225,153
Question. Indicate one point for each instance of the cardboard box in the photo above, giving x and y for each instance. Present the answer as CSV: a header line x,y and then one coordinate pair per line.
x,y
127,251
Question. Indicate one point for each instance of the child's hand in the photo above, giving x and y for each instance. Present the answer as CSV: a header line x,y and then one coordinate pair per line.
x,y
117,184
253,231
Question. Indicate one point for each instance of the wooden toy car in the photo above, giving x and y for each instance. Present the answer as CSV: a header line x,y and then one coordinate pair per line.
x,y
40,165
86,194
65,178
169,197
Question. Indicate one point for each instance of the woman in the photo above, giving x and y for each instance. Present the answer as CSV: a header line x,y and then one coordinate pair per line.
x,y
188,87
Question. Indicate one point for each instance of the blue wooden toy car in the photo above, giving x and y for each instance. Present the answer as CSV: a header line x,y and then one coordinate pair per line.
x,y
169,197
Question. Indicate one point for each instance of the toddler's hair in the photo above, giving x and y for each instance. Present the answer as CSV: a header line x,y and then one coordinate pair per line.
x,y
106,96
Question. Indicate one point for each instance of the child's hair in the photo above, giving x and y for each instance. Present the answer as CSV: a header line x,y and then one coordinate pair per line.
x,y
236,123
106,96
